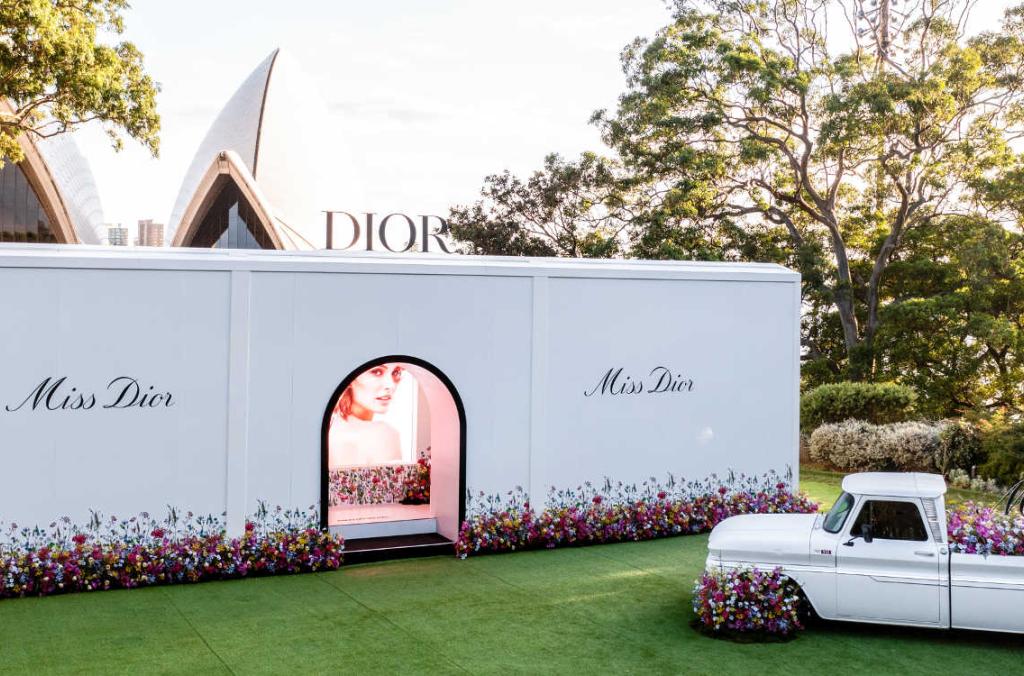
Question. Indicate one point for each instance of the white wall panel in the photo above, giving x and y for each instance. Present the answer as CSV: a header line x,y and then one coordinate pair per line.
x,y
166,330
272,358
732,339
521,341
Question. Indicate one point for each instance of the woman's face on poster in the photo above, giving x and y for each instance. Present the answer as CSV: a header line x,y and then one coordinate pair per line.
x,y
373,388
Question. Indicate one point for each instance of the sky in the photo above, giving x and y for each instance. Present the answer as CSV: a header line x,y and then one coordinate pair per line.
x,y
430,96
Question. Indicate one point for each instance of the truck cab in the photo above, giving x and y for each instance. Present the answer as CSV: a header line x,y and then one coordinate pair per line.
x,y
880,555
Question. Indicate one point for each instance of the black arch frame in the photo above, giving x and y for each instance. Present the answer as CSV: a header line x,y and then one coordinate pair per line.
x,y
326,424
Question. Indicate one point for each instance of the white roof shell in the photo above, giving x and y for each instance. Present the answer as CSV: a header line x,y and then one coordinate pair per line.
x,y
64,185
74,180
281,131
896,484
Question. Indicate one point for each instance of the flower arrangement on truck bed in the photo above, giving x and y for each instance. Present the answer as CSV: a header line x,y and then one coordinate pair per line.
x,y
617,512
977,529
142,551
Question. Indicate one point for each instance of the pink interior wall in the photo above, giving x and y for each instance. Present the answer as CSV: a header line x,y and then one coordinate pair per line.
x,y
444,451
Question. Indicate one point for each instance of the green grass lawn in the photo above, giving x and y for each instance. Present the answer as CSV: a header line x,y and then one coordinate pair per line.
x,y
621,608
824,486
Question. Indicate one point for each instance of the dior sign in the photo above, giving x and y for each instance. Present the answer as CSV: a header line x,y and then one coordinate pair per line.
x,y
58,394
395,232
660,380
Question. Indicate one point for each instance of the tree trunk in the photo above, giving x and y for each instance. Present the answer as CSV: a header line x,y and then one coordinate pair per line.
x,y
844,300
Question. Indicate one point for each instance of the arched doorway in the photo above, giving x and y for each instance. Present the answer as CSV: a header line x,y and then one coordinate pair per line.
x,y
393,452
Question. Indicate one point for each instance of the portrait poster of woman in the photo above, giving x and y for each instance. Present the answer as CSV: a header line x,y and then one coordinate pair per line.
x,y
378,447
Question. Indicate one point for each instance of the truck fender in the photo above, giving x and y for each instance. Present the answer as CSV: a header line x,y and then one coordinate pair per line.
x,y
805,595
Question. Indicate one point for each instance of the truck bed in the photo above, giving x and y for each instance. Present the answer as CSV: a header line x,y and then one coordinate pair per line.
x,y
987,592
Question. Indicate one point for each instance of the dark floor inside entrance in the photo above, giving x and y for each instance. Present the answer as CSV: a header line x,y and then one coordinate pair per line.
x,y
364,550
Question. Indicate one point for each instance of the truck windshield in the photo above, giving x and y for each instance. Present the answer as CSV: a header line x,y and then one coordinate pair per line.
x,y
836,516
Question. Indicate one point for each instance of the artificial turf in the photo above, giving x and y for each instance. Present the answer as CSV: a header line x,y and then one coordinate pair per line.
x,y
622,608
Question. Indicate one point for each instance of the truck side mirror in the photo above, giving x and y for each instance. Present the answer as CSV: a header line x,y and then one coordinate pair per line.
x,y
867,532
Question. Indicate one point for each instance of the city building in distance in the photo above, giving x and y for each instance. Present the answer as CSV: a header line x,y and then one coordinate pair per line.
x,y
117,235
150,233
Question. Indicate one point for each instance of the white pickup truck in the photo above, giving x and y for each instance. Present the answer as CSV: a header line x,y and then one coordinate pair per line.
x,y
880,555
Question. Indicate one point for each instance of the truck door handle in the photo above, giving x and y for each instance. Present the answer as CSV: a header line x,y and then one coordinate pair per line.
x,y
929,554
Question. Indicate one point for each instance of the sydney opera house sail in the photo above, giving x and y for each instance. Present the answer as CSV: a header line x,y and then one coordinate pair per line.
x,y
231,223
50,196
270,166
266,169
22,216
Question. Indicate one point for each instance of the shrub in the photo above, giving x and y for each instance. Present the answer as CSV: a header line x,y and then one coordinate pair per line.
x,y
960,478
922,447
959,446
587,515
877,403
860,446
1003,451
908,446
747,600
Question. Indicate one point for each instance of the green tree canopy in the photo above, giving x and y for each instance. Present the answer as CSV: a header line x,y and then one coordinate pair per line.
x,y
952,327
56,74
745,112
749,131
562,210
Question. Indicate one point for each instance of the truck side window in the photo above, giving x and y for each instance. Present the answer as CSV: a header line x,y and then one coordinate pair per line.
x,y
891,520
836,516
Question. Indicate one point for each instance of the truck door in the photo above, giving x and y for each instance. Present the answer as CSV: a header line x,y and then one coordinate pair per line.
x,y
895,576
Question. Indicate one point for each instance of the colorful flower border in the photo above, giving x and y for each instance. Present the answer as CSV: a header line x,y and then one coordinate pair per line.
x,y
618,512
183,548
143,551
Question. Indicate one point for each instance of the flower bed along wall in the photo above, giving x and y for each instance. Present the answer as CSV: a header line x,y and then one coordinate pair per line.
x,y
618,512
141,552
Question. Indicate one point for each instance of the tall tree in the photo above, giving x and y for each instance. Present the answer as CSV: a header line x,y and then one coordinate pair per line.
x,y
745,110
568,208
954,325
56,73
750,131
